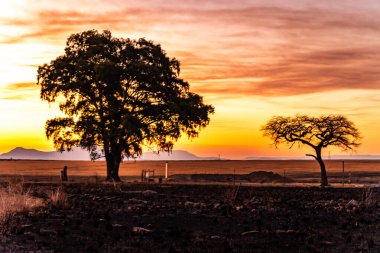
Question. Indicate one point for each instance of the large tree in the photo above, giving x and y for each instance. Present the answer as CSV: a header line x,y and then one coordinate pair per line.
x,y
118,94
315,132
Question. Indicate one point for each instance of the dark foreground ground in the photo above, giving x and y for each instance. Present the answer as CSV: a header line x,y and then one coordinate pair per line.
x,y
198,218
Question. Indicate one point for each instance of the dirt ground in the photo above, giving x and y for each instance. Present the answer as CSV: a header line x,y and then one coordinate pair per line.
x,y
197,218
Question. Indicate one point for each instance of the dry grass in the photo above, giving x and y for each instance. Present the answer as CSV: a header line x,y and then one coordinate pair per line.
x,y
13,199
58,198
231,194
369,198
131,168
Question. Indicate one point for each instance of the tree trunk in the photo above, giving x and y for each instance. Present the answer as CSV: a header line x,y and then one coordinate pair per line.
x,y
324,181
113,164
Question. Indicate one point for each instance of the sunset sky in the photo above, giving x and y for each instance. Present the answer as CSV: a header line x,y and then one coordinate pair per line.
x,y
250,59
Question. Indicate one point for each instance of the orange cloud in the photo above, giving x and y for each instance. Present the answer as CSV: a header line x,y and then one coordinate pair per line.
x,y
284,49
22,86
20,91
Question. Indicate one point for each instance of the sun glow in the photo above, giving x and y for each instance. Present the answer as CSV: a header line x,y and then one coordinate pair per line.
x,y
250,59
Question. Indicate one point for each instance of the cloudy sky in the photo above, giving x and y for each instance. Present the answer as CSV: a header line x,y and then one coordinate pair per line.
x,y
251,59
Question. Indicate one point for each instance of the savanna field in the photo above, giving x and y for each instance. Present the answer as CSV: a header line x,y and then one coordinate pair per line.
x,y
359,171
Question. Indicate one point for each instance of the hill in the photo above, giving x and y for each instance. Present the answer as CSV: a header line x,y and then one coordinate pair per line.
x,y
20,153
326,158
175,155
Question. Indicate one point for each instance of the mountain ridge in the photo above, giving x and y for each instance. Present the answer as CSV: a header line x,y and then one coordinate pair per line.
x,y
78,154
326,158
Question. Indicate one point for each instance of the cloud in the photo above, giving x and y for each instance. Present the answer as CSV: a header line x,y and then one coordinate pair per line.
x,y
20,91
241,48
21,86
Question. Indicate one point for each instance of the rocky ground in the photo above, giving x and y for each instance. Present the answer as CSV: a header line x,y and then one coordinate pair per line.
x,y
197,218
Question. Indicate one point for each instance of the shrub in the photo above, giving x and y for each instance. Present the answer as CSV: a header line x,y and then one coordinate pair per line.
x,y
58,198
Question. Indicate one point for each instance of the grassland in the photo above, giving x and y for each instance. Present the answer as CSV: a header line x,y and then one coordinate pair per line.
x,y
298,170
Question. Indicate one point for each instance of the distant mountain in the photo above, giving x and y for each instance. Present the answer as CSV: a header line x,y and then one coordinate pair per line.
x,y
33,154
359,157
278,158
335,157
175,155
80,154
23,153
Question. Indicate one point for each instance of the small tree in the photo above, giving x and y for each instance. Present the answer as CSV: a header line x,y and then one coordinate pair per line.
x,y
315,132
118,94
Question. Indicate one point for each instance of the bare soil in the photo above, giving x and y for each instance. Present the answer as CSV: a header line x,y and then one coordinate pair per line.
x,y
198,218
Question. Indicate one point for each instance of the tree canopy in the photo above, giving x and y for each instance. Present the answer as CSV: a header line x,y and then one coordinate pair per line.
x,y
118,94
315,132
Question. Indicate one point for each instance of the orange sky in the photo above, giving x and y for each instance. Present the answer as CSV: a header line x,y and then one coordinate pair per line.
x,y
250,59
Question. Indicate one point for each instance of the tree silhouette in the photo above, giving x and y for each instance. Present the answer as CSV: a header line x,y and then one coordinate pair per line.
x,y
118,94
315,132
